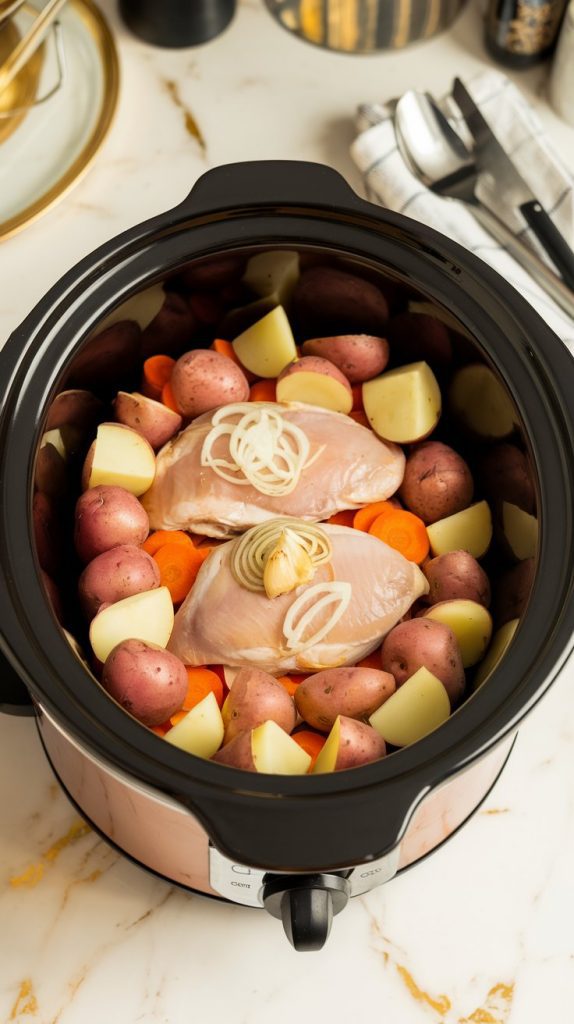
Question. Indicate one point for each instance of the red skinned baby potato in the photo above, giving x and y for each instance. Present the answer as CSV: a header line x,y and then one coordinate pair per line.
x,y
424,643
506,476
53,594
151,419
47,533
359,357
146,680
415,336
513,590
203,379
351,692
437,482
356,743
120,572
255,698
171,330
454,575
108,356
105,517
331,301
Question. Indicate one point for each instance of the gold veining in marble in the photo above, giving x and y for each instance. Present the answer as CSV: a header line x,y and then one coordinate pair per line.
x,y
25,1002
496,810
441,1004
35,872
191,125
496,1008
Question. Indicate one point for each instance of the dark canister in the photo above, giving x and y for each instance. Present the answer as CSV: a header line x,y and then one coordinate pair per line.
x,y
177,23
520,33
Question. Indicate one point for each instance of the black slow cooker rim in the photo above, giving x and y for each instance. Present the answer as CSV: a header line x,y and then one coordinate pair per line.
x,y
31,637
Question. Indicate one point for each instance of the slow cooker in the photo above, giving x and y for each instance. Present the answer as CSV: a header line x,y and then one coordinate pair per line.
x,y
299,847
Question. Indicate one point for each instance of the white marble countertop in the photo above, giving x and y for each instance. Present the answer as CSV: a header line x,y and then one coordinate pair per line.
x,y
482,932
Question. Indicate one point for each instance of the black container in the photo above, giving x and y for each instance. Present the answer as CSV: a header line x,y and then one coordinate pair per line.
x,y
288,824
522,33
177,23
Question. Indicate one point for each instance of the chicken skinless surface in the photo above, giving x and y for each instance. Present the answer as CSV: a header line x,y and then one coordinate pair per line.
x,y
352,468
222,622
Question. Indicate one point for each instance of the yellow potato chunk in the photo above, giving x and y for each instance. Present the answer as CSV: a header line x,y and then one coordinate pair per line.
x,y
143,308
500,643
122,458
403,405
273,274
520,530
315,389
479,400
148,617
418,707
201,731
469,530
276,753
268,346
471,624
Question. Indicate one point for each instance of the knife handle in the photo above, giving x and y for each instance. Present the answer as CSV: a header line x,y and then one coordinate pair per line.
x,y
540,272
552,241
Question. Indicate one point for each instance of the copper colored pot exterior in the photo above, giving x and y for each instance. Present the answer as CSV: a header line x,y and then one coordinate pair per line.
x,y
164,836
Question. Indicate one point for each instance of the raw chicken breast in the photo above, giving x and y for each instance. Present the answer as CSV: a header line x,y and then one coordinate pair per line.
x,y
354,469
222,622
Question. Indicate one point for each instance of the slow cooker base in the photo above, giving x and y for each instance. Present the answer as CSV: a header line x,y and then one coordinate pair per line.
x,y
220,899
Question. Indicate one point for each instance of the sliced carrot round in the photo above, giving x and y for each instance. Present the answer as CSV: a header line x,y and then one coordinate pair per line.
x,y
160,538
290,684
404,532
357,390
344,518
178,568
372,660
168,398
156,373
263,391
365,517
311,742
200,682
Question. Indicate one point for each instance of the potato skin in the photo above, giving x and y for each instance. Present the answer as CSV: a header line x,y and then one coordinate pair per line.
x,y
146,680
351,692
107,357
46,533
151,419
120,572
171,330
506,476
237,753
437,482
53,595
254,698
105,517
330,301
422,642
202,380
315,364
359,356
513,591
358,744
415,336
456,575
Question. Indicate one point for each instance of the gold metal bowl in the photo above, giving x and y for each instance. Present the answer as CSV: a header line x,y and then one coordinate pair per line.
x,y
21,93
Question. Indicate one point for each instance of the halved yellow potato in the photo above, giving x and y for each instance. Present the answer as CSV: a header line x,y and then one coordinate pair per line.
x,y
349,744
123,458
500,643
478,398
469,530
148,617
415,709
520,531
403,405
273,274
471,624
142,308
276,753
56,439
315,381
201,731
268,346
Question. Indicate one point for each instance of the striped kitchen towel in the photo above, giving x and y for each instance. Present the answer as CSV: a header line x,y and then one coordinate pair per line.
x,y
389,182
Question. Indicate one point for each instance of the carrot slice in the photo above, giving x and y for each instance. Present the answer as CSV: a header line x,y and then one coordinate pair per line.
x,y
365,517
357,390
359,416
156,373
311,742
160,538
201,682
225,348
160,730
290,683
177,717
344,518
178,568
372,660
263,391
403,531
168,398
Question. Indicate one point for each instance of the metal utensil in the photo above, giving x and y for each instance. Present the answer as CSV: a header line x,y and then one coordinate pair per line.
x,y
8,8
438,157
29,42
491,158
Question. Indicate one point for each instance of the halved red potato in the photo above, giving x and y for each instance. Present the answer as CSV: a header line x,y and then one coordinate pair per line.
x,y
265,749
201,731
315,381
106,517
73,408
403,405
419,336
331,301
119,457
147,681
151,419
268,346
520,531
481,403
359,356
255,698
273,274
471,624
500,643
418,707
469,530
148,617
203,379
351,692
348,745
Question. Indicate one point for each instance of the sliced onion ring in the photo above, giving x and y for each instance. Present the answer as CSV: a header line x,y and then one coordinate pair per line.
x,y
252,550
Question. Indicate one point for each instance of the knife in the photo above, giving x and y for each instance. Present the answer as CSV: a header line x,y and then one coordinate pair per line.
x,y
491,158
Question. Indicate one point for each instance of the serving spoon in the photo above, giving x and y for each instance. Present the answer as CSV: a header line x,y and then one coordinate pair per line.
x,y
437,155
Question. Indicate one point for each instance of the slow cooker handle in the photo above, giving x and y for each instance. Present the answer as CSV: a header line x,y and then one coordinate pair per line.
x,y
14,697
269,183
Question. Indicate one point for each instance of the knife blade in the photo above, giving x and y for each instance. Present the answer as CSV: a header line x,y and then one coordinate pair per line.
x,y
491,159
